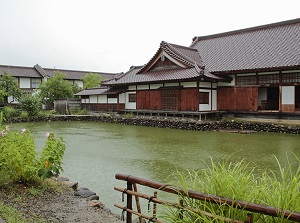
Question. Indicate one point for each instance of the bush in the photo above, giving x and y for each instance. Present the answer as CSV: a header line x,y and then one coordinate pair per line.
x,y
31,104
10,112
18,157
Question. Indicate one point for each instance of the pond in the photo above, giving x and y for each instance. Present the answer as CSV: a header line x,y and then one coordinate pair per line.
x,y
97,151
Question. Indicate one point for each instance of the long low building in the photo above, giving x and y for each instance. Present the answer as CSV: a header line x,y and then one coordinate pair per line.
x,y
253,69
30,78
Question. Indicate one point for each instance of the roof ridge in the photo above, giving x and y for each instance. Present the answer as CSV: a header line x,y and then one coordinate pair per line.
x,y
40,70
185,57
85,71
184,47
244,30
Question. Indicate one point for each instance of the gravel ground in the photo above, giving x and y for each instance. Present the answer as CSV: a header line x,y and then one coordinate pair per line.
x,y
55,206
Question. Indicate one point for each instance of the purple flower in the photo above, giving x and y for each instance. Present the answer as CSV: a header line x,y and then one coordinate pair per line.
x,y
23,130
47,135
3,133
7,128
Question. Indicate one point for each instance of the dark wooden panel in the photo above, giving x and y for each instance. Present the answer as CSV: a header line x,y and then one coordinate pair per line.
x,y
142,99
189,99
155,100
238,98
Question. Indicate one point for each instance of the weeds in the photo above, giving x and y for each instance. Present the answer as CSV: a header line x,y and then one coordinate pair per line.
x,y
237,181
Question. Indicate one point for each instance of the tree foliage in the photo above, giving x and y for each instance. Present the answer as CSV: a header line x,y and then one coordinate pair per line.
x,y
9,87
31,104
91,80
56,87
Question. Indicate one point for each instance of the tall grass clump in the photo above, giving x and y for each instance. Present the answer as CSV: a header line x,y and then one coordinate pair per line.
x,y
238,181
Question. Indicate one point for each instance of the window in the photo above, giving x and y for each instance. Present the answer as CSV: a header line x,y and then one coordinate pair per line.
x,y
291,78
246,80
35,82
268,79
132,98
204,97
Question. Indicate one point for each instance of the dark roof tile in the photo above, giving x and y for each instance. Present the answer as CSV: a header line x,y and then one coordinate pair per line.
x,y
18,71
268,46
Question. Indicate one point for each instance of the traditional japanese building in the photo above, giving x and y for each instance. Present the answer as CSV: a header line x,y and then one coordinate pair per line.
x,y
254,69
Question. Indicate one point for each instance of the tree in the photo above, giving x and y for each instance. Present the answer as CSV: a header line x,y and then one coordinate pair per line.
x,y
56,87
31,104
91,80
9,87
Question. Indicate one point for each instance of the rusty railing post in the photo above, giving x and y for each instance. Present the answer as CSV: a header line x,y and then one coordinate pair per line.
x,y
129,203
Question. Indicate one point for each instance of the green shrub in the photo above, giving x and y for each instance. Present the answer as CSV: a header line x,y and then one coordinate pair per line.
x,y
10,112
31,104
52,156
18,157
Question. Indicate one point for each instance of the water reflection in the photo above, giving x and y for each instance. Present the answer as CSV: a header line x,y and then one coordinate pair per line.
x,y
97,151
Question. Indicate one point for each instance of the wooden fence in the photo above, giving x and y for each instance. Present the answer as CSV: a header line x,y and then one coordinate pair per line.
x,y
131,190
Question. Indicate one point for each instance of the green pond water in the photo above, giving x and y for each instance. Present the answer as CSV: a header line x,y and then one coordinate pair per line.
x,y
97,151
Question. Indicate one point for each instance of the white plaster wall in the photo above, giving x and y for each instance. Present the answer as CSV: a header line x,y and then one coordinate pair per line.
x,y
205,107
214,99
112,100
133,87
129,105
205,84
214,85
85,100
93,99
143,87
291,71
122,98
288,95
155,86
171,84
262,95
189,84
102,98
24,82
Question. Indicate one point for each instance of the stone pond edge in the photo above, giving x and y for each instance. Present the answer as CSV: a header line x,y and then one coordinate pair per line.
x,y
194,125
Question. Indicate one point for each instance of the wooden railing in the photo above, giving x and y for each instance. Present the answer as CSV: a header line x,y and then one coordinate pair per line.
x,y
131,190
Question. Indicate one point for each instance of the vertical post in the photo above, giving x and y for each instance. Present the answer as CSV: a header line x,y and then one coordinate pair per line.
x,y
181,211
138,206
249,218
154,205
129,203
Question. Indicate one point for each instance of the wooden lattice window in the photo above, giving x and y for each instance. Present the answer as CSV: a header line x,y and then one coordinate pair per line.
x,y
246,80
203,97
268,79
291,78
131,97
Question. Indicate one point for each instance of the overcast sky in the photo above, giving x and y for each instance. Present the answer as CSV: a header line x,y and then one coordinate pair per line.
x,y
111,35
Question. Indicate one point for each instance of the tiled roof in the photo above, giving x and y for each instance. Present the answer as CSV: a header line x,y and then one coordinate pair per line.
x,y
92,91
157,76
269,46
188,57
99,91
74,74
184,55
18,71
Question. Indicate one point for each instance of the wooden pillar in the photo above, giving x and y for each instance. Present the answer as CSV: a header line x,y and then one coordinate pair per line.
x,y
129,203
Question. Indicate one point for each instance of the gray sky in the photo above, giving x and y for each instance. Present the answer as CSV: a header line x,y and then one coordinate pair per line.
x,y
112,35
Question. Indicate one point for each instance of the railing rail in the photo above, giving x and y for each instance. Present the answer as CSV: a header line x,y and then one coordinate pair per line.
x,y
248,206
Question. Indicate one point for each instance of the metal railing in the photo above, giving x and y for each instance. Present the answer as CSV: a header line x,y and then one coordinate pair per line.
x,y
131,190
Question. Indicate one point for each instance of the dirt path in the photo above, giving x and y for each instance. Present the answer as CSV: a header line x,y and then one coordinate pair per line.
x,y
58,207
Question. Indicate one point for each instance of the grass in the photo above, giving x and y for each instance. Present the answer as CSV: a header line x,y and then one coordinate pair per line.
x,y
239,182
